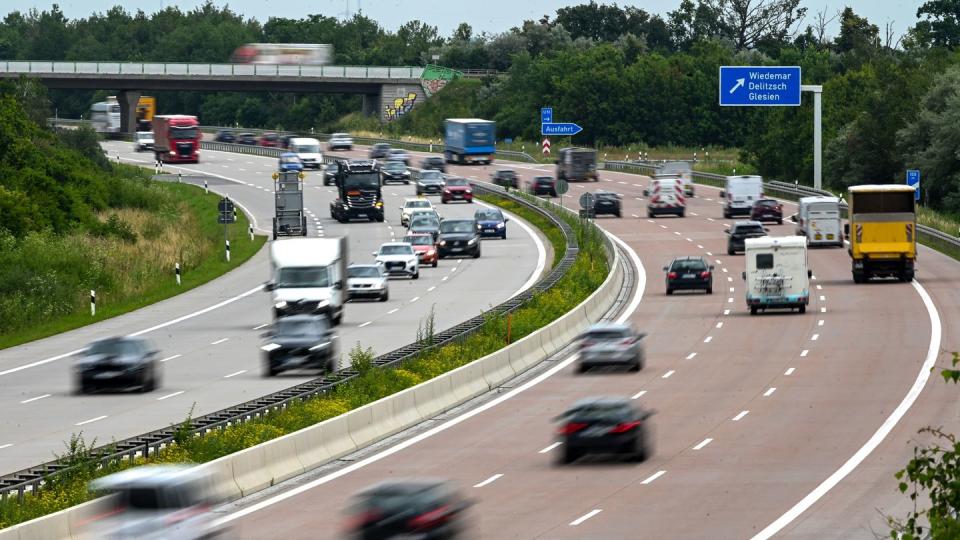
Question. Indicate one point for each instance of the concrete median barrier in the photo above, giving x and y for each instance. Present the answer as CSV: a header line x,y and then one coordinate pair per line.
x,y
405,409
312,445
282,459
433,396
496,368
336,438
251,470
467,382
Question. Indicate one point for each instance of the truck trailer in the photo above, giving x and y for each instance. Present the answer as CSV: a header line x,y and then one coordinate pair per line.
x,y
882,231
469,140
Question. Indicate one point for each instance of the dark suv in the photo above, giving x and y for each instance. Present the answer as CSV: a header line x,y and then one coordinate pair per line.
x,y
225,135
408,508
505,178
606,202
740,231
604,425
767,210
689,273
543,185
430,183
299,341
458,237
118,362
434,163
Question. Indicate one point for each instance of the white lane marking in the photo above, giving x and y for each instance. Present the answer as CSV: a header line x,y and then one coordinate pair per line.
x,y
710,219
729,279
699,246
431,288
637,185
624,183
634,215
38,398
708,339
668,374
653,477
694,214
703,443
676,233
444,278
585,517
261,326
922,377
738,417
820,322
169,358
234,374
549,448
219,341
8,445
708,199
368,323
814,337
689,240
769,392
822,310
819,287
651,221
90,420
488,481
242,170
729,300
789,371
663,226
454,269
726,312
161,398
724,270
414,299
709,254
823,298
719,261
732,289
691,356
804,353
638,395
392,311
813,278
720,324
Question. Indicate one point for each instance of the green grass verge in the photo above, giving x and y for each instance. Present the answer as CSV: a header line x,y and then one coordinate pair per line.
x,y
586,275
554,235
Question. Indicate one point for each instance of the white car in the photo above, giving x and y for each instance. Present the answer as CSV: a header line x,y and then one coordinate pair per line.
x,y
308,150
340,140
143,141
398,258
367,281
410,205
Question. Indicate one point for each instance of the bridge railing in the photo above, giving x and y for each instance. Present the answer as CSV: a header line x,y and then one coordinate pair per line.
x,y
44,67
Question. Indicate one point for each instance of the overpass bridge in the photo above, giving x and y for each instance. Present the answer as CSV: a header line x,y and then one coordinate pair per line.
x,y
390,91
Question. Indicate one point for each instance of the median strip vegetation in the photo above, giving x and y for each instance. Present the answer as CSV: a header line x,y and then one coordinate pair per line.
x,y
587,273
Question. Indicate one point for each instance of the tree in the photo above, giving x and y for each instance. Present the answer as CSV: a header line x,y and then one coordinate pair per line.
x,y
940,26
463,32
856,34
691,23
755,22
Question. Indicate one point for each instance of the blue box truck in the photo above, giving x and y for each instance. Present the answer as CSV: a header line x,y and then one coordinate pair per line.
x,y
469,140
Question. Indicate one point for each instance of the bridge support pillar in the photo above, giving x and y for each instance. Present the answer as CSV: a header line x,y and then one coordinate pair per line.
x,y
397,100
369,104
128,110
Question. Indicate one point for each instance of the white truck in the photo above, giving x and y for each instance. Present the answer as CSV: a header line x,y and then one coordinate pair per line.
x,y
308,150
308,275
739,193
777,275
819,221
684,170
666,195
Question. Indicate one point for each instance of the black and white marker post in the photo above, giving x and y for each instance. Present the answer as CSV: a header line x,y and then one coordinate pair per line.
x,y
250,230
176,268
206,189
228,251
93,303
179,177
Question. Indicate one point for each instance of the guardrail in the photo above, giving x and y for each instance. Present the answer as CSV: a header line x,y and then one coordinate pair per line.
x,y
33,478
45,67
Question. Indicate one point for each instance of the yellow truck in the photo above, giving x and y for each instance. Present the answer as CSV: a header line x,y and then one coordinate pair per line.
x,y
146,108
882,231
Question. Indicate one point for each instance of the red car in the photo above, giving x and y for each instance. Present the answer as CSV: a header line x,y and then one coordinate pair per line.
x,y
767,210
424,247
456,189
270,140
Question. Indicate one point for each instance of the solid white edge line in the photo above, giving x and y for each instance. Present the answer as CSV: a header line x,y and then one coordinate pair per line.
x,y
856,459
8,445
541,250
653,477
489,481
585,517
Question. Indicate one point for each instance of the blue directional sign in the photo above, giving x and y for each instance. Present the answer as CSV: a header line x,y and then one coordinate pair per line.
x,y
759,86
560,129
913,179
546,115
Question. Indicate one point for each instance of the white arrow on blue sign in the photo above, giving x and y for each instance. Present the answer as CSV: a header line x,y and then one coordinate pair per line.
x,y
913,179
759,86
546,115
560,129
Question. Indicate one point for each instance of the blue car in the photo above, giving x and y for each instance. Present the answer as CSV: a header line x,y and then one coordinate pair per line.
x,y
491,222
290,162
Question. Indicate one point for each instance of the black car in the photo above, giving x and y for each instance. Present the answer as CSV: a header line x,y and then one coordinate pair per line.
x,y
505,178
740,231
430,183
330,174
458,237
379,150
247,138
424,223
606,202
225,135
434,163
543,185
395,171
285,139
408,508
686,273
604,425
299,341
119,363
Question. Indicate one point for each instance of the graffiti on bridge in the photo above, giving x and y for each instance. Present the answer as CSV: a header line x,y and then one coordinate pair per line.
x,y
400,106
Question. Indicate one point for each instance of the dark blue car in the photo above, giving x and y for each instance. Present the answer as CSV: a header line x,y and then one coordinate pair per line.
x,y
490,222
290,162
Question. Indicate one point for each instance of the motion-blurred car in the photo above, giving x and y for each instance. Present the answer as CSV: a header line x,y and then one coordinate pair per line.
x,y
395,171
689,273
247,138
491,222
456,189
611,344
740,231
606,202
430,183
269,139
458,237
121,362
433,163
225,135
399,154
425,222
767,210
143,141
542,185
410,205
425,246
408,508
155,502
367,281
379,150
298,342
289,162
398,258
505,178
286,141
604,425
340,141
330,174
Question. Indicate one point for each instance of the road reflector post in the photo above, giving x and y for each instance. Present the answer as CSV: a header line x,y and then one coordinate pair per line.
x,y
250,230
205,188
228,251
176,268
93,303
118,158
179,177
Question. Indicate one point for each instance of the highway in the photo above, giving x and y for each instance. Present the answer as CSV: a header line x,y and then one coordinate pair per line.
x,y
755,414
209,338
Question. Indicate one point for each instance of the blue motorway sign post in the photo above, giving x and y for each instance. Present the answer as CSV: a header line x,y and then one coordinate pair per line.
x,y
913,179
549,127
759,86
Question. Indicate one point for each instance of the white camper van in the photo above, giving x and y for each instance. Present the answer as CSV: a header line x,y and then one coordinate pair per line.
x,y
666,195
777,275
739,193
819,221
681,169
308,275
308,150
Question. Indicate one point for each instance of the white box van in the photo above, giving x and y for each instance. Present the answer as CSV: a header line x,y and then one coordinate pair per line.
x,y
819,220
308,150
666,195
681,169
308,275
777,275
739,194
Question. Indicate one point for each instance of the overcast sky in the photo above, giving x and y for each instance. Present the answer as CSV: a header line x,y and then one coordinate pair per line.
x,y
490,16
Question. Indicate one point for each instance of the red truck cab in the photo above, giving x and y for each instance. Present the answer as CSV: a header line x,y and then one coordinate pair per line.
x,y
176,138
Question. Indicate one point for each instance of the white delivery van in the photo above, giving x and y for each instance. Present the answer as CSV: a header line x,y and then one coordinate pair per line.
x,y
819,220
666,195
308,150
739,193
308,275
777,275
684,170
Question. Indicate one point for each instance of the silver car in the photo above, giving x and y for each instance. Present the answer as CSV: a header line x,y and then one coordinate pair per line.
x,y
611,344
367,281
340,140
